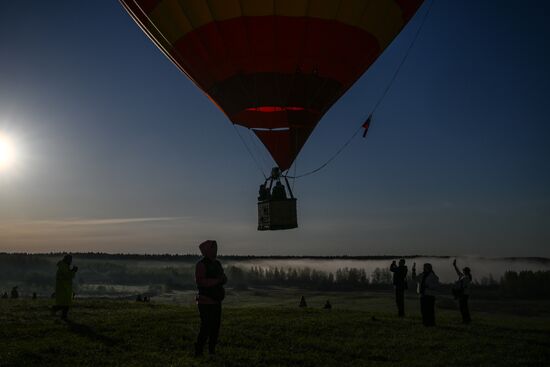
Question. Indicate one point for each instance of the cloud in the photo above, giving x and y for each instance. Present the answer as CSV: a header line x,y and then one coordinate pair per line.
x,y
82,233
144,234
90,222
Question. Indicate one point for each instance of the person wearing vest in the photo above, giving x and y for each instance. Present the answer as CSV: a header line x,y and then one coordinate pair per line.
x,y
400,284
464,280
428,283
210,278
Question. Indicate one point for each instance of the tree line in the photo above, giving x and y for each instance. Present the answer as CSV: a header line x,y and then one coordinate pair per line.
x,y
37,272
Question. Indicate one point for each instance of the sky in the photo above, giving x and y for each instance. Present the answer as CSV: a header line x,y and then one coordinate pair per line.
x,y
117,151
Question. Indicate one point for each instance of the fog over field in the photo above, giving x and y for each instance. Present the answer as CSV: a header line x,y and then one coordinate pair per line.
x,y
481,267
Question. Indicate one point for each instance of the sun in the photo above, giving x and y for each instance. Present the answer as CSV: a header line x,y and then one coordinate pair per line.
x,y
7,152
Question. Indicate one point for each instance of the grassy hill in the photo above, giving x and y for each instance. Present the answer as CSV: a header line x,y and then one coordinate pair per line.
x,y
125,333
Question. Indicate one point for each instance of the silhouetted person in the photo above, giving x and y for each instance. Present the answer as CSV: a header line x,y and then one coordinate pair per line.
x,y
462,291
428,283
327,306
302,302
5,295
210,279
146,299
279,192
14,293
34,295
263,193
64,286
400,284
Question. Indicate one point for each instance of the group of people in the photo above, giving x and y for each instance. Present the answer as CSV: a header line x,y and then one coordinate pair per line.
x,y
210,279
428,287
277,193
14,294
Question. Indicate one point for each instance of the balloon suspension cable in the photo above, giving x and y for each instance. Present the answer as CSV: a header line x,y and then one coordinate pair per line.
x,y
380,100
175,50
258,165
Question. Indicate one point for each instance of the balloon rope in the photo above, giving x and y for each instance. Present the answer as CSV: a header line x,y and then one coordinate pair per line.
x,y
258,151
380,100
182,60
330,159
258,165
404,58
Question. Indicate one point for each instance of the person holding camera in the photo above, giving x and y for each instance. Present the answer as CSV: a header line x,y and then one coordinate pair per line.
x,y
461,291
64,286
210,279
428,283
400,284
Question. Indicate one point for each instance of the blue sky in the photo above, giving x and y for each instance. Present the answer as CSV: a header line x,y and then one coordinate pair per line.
x,y
119,152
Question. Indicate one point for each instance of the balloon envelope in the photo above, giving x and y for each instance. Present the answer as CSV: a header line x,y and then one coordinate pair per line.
x,y
274,66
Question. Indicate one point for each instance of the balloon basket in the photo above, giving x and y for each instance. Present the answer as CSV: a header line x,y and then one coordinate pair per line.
x,y
277,214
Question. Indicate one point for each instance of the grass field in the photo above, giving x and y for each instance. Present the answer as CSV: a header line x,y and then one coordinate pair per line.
x,y
262,328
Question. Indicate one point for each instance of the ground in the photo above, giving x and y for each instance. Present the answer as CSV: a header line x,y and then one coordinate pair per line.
x,y
263,328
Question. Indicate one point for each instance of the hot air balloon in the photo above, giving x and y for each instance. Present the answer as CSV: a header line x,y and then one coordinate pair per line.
x,y
273,66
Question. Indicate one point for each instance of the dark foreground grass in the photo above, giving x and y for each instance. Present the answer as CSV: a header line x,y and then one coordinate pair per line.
x,y
121,333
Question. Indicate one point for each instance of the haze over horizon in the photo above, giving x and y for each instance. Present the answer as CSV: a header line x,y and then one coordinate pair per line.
x,y
120,152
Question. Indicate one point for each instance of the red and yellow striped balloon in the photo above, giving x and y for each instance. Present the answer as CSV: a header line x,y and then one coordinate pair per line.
x,y
274,66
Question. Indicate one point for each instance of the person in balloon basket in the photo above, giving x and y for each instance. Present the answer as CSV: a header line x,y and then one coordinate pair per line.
x,y
263,193
428,283
461,291
64,286
279,192
210,279
400,284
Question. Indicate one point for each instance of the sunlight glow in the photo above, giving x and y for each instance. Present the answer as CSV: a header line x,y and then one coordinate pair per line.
x,y
8,153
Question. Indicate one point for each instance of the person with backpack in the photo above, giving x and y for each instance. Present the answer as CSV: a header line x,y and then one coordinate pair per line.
x,y
428,283
461,291
210,278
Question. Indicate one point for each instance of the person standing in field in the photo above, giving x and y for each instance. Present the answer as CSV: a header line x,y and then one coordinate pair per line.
x,y
210,278
428,283
14,293
462,291
64,286
400,284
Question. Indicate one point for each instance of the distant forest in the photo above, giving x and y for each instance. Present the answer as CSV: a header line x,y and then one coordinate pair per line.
x,y
102,273
195,257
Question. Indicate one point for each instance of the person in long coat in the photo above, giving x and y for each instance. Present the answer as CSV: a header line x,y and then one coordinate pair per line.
x,y
64,286
210,278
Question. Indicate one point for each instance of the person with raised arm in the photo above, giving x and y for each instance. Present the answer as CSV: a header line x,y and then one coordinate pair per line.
x,y
400,284
461,291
